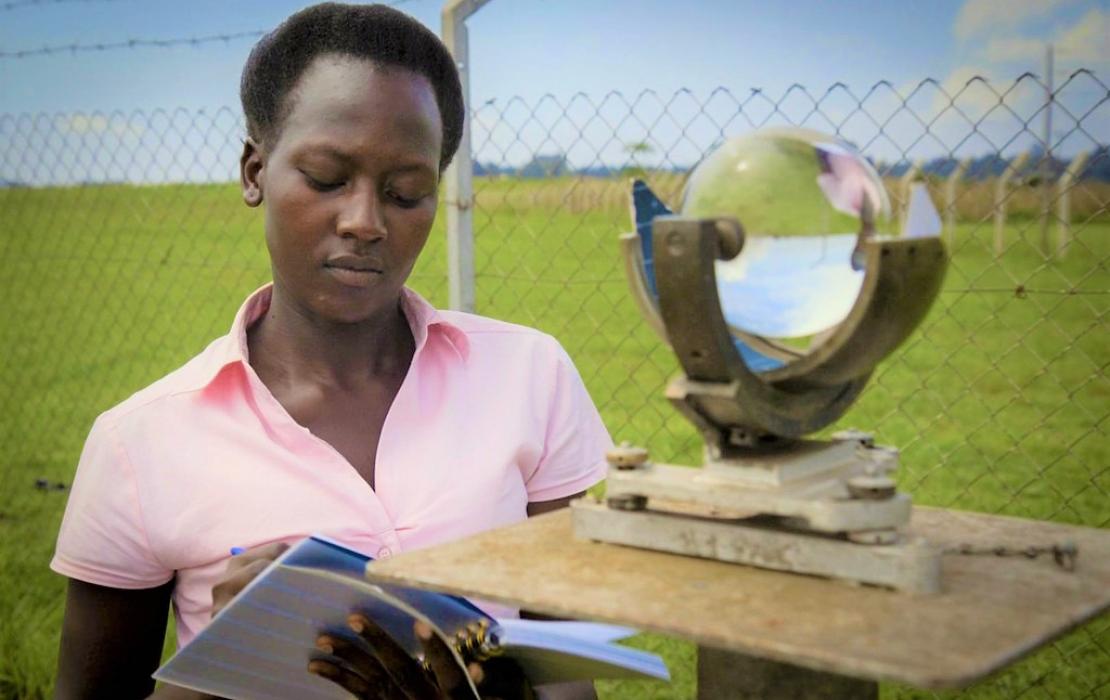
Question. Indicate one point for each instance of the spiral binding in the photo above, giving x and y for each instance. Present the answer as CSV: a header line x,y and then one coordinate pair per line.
x,y
473,643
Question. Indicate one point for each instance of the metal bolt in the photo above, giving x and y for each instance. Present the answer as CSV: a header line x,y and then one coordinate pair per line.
x,y
627,502
626,457
864,439
871,487
730,238
874,536
675,245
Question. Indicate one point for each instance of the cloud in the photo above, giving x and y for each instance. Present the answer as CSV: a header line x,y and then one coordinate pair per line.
x,y
971,96
993,16
1014,50
1006,53
1088,41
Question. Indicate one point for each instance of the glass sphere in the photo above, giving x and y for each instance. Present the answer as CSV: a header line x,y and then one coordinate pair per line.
x,y
806,201
787,182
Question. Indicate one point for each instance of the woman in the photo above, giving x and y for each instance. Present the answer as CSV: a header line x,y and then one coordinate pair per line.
x,y
340,402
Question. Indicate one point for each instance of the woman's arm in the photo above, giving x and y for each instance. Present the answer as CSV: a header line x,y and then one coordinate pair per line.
x,y
541,507
112,642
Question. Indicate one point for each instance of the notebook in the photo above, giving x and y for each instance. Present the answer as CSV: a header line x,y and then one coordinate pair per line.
x,y
259,645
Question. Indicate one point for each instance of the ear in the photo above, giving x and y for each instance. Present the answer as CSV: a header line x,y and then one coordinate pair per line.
x,y
251,164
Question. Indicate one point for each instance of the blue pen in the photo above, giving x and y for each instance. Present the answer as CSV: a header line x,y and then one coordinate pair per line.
x,y
236,551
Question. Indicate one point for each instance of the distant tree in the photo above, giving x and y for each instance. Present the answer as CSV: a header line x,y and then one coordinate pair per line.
x,y
635,150
554,165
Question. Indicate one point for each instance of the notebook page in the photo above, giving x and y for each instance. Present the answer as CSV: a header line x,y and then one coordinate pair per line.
x,y
260,645
579,652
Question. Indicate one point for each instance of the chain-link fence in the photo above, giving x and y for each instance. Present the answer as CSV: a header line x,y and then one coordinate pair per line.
x,y
126,250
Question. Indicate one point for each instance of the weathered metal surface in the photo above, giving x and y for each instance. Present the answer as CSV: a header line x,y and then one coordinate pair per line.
x,y
909,565
991,610
810,482
902,278
718,391
819,513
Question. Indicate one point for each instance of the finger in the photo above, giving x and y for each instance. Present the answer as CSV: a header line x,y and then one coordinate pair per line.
x,y
405,671
476,672
342,676
241,569
503,678
442,663
360,660
234,581
267,552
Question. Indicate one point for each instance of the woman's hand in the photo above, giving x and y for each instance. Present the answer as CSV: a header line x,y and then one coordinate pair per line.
x,y
389,672
241,570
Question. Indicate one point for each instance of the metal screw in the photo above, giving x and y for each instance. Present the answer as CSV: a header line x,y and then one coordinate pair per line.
x,y
627,502
865,439
626,457
874,536
870,487
730,238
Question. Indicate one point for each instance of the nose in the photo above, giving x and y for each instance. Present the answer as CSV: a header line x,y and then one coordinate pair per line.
x,y
361,216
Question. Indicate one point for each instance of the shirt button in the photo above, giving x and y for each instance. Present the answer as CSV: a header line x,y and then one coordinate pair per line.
x,y
385,553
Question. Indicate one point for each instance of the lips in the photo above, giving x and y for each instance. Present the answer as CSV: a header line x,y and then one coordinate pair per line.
x,y
354,270
356,263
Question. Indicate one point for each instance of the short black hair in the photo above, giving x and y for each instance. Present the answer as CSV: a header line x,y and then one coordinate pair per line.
x,y
377,33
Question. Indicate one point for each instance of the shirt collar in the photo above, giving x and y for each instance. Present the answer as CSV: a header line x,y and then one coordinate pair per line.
x,y
424,321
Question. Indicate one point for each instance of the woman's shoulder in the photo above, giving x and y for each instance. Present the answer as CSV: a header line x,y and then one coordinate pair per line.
x,y
191,377
473,324
493,338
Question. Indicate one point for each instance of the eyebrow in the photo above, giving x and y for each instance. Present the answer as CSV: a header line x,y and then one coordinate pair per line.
x,y
326,151
346,158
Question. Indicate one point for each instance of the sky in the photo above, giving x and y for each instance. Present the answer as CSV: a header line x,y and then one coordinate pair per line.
x,y
561,48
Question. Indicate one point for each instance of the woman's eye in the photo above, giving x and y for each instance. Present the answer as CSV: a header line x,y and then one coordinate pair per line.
x,y
402,201
321,185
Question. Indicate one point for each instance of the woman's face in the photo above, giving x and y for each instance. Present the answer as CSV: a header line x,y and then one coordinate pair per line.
x,y
350,187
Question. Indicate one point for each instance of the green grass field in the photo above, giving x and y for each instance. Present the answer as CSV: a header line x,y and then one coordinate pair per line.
x,y
999,402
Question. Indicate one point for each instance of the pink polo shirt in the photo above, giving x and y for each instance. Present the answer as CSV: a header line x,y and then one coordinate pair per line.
x,y
491,416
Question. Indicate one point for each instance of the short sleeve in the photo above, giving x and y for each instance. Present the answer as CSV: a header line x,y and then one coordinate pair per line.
x,y
575,440
103,538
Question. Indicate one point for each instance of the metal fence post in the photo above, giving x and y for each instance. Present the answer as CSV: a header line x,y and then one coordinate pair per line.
x,y
1046,153
950,197
1001,192
905,184
460,188
1063,201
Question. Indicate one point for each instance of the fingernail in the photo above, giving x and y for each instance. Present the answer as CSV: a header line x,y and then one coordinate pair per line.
x,y
423,631
325,645
356,624
320,668
476,673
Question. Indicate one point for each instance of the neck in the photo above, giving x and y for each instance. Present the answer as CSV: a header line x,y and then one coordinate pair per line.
x,y
290,343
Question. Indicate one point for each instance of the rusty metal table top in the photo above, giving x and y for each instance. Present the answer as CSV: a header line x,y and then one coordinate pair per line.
x,y
991,611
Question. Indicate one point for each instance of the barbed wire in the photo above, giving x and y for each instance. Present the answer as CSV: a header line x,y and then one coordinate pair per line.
x,y
132,44
75,48
18,4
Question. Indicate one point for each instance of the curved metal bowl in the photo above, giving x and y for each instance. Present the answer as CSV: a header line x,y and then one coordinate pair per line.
x,y
737,383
